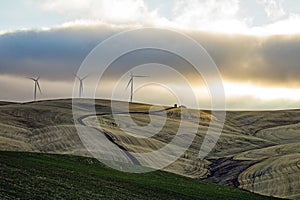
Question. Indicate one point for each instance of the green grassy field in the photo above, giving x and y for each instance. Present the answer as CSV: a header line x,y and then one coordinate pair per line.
x,y
37,176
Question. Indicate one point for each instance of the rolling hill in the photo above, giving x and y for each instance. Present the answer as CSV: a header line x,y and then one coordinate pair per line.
x,y
257,151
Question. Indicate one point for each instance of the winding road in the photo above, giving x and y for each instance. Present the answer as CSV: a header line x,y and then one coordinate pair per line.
x,y
110,139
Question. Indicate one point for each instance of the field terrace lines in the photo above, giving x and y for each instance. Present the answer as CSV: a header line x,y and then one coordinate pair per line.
x,y
282,134
275,176
58,139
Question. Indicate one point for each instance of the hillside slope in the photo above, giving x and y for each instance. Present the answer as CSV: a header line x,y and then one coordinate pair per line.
x,y
257,151
36,176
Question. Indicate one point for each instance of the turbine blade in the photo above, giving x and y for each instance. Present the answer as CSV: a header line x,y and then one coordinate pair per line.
x,y
139,76
31,78
128,83
39,86
84,77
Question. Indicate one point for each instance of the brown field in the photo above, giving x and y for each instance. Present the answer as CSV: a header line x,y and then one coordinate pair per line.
x,y
258,151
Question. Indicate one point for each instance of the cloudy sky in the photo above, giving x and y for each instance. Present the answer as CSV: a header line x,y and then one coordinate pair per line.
x,y
254,43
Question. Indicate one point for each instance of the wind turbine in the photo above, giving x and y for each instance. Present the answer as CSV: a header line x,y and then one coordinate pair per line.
x,y
36,85
132,76
80,84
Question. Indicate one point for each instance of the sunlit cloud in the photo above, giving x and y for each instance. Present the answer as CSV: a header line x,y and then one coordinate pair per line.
x,y
273,8
209,15
113,11
261,92
286,26
223,16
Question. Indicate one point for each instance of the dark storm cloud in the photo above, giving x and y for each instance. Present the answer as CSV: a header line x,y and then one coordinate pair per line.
x,y
261,60
57,53
53,54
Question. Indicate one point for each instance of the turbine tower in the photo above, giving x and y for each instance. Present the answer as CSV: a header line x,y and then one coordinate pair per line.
x,y
132,76
80,84
36,85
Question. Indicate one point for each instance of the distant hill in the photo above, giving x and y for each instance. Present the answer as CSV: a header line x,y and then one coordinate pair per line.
x,y
258,151
4,103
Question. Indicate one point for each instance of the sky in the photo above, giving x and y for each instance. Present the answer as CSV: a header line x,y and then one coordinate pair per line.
x,y
254,43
